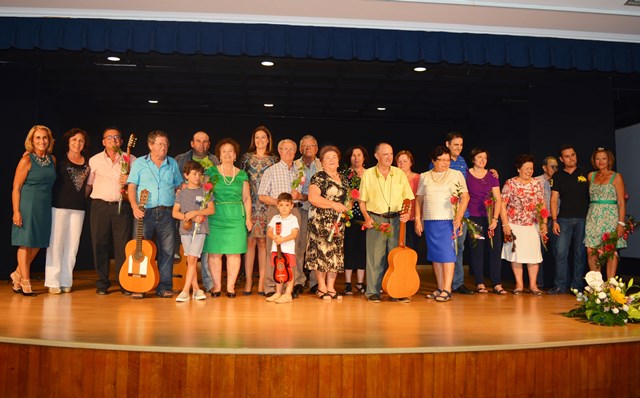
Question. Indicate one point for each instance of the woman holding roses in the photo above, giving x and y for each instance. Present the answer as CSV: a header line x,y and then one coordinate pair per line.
x,y
484,210
355,253
441,201
606,215
522,201
325,245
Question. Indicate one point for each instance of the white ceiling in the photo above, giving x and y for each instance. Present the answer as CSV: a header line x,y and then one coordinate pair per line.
x,y
608,20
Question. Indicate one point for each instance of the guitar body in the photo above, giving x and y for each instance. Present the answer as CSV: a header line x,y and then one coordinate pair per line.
x,y
402,279
179,269
139,273
139,280
281,269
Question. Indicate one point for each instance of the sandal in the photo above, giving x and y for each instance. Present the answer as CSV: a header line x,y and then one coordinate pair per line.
x,y
432,296
536,292
482,289
497,289
321,294
445,298
334,295
348,290
360,288
137,295
517,292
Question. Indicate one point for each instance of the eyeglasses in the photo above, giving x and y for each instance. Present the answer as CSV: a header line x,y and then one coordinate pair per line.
x,y
554,166
111,137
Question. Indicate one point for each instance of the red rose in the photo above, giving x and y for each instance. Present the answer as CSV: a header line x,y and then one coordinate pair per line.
x,y
355,193
488,203
454,200
544,213
207,186
609,248
605,236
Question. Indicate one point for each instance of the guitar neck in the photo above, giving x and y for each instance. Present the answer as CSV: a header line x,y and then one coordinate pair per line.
x,y
139,236
402,235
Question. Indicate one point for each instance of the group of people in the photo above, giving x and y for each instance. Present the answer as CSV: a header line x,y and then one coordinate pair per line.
x,y
269,205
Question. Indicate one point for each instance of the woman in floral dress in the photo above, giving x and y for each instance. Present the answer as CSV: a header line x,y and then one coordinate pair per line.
x,y
606,209
328,197
522,200
254,162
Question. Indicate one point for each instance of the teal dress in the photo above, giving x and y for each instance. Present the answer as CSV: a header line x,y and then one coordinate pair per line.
x,y
35,204
227,226
603,213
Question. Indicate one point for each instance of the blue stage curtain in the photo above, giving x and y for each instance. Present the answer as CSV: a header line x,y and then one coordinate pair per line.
x,y
163,37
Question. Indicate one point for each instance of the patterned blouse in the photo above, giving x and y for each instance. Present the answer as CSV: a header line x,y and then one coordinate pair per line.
x,y
522,201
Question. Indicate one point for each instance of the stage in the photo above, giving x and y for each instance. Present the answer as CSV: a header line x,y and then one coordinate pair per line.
x,y
481,345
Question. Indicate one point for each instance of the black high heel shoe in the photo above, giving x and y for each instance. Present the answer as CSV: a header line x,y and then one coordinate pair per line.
x,y
26,288
15,279
231,294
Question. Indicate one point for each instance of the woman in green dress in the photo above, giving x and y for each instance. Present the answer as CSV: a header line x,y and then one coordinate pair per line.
x,y
229,225
31,200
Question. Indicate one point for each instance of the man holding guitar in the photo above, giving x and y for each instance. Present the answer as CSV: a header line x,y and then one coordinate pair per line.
x,y
108,226
383,189
159,174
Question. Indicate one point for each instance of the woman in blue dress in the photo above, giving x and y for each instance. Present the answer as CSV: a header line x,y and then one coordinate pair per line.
x,y
31,201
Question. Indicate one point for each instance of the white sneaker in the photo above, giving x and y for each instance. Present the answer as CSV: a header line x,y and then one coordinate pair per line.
x,y
199,295
182,297
55,290
285,298
274,297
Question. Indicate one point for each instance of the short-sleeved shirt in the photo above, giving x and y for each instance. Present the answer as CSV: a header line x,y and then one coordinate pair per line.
x,y
460,165
104,176
161,182
277,179
190,200
381,194
574,193
479,191
288,224
437,189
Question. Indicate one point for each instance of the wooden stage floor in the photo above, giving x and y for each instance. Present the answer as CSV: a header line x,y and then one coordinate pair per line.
x,y
249,325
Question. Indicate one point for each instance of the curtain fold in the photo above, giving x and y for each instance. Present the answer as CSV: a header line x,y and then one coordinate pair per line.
x,y
316,42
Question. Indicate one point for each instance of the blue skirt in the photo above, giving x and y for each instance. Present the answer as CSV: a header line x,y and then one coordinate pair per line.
x,y
440,246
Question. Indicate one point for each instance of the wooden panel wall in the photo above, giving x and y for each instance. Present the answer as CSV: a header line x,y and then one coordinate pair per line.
x,y
582,371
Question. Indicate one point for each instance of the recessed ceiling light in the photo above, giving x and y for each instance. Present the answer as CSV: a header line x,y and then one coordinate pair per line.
x,y
113,59
266,63
381,108
152,101
419,69
268,105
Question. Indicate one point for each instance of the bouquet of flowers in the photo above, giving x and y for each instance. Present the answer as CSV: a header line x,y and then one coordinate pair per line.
x,y
203,201
489,204
606,249
125,167
543,214
300,179
606,303
384,227
475,231
353,192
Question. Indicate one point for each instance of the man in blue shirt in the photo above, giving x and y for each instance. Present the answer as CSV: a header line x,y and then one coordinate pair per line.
x,y
160,176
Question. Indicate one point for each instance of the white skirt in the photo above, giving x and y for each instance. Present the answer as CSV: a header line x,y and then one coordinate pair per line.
x,y
527,245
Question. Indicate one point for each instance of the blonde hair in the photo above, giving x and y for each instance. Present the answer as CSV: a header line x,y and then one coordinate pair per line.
x,y
28,142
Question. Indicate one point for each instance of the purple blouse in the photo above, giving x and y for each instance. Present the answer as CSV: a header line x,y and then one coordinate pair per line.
x,y
479,191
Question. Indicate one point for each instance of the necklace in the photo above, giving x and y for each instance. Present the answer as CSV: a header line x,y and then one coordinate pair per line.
x,y
224,177
43,161
442,174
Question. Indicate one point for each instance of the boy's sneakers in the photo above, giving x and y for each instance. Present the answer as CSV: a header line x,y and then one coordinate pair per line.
x,y
274,297
182,297
199,295
285,298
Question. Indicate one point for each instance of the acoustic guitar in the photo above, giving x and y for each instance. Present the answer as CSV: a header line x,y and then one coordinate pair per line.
x,y
281,270
402,279
139,273
179,267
